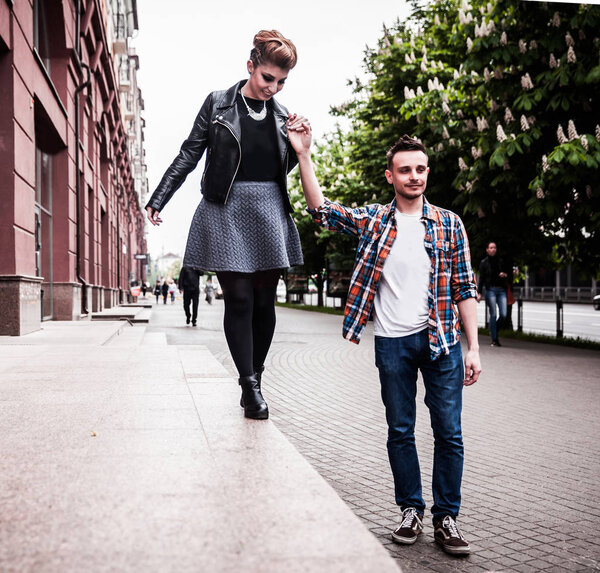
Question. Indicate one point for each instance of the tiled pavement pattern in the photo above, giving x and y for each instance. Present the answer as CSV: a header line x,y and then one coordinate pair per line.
x,y
532,438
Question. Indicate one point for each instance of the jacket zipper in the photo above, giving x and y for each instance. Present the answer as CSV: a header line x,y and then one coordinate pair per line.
x,y
239,160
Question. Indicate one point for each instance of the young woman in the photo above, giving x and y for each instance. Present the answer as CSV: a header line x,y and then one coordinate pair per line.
x,y
242,228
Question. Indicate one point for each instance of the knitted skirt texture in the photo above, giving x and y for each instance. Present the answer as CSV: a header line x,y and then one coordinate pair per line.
x,y
252,232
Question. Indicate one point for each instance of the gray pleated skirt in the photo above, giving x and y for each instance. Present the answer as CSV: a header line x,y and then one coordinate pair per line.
x,y
252,232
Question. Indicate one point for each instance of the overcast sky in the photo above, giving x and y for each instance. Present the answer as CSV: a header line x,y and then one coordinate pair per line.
x,y
188,48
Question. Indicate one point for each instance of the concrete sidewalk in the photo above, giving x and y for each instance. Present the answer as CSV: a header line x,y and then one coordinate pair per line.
x,y
121,452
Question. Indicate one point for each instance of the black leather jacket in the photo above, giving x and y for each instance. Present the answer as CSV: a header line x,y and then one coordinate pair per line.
x,y
217,126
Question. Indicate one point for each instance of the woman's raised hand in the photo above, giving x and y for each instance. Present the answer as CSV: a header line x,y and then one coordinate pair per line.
x,y
153,216
299,133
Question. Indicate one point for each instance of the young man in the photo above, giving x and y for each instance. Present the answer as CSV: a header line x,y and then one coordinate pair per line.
x,y
413,271
494,279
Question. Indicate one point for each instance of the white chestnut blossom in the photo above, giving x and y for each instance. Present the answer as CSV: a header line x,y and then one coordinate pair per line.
x,y
539,193
408,93
455,75
482,124
522,46
545,165
597,133
572,131
503,39
584,142
459,113
571,57
569,40
486,74
469,44
436,20
552,62
445,133
440,147
556,20
533,45
493,105
526,82
462,165
500,135
476,152
419,91
508,116
407,59
560,135
445,108
524,123
469,125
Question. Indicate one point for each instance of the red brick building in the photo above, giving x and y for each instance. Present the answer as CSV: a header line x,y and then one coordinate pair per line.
x,y
71,221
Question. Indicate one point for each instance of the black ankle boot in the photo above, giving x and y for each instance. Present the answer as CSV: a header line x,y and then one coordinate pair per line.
x,y
258,374
252,401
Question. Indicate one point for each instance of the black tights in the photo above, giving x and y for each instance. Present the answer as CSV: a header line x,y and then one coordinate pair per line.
x,y
249,320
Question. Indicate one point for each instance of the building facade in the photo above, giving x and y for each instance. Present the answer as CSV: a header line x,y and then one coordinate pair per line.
x,y
72,173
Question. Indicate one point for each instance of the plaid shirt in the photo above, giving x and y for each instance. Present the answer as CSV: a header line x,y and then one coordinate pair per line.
x,y
446,243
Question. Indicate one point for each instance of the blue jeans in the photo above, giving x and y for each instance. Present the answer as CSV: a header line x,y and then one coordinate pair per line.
x,y
398,361
496,296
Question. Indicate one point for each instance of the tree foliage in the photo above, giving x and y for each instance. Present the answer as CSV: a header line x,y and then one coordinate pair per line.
x,y
505,95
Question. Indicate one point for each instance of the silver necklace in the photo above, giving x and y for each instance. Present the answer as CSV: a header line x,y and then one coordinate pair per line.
x,y
256,116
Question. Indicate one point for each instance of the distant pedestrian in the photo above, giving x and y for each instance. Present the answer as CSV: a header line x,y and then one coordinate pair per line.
x,y
242,228
413,273
172,290
189,284
164,289
209,291
144,289
494,280
157,290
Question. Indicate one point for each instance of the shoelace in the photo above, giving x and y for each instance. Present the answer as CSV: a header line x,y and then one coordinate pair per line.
x,y
452,526
409,516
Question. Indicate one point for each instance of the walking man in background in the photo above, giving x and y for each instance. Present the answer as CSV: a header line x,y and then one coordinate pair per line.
x,y
413,272
494,278
189,283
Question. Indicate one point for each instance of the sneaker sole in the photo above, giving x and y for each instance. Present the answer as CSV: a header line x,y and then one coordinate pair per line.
x,y
454,550
404,540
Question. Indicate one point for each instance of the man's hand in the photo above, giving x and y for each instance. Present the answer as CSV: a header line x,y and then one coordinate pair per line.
x,y
153,216
472,367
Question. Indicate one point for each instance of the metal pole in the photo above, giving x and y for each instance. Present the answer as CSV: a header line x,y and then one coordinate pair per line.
x,y
519,315
559,318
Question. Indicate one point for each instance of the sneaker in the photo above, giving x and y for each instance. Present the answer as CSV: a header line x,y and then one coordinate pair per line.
x,y
410,527
187,320
495,343
448,535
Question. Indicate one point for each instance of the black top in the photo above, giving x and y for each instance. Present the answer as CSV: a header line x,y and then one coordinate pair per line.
x,y
260,154
489,273
189,279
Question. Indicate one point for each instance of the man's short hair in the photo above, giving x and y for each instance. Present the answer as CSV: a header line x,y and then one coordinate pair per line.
x,y
405,143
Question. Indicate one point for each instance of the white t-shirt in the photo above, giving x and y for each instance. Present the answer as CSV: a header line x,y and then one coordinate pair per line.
x,y
401,306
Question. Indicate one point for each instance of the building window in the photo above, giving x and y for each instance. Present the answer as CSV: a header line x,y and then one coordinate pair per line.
x,y
41,34
43,228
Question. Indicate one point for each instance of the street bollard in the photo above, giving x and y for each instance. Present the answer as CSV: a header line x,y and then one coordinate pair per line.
x,y
519,315
559,319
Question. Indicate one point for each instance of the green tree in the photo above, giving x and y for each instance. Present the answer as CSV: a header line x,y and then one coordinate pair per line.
x,y
505,96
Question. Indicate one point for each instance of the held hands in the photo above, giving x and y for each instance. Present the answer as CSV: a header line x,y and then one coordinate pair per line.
x,y
299,133
153,216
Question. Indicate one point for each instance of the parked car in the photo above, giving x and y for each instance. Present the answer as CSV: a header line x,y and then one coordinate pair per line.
x,y
596,302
